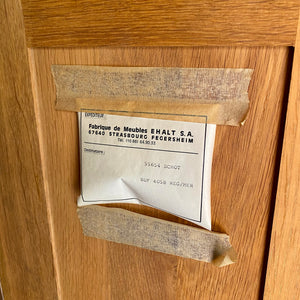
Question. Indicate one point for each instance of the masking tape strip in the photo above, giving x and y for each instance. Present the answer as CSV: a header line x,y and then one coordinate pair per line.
x,y
169,93
126,227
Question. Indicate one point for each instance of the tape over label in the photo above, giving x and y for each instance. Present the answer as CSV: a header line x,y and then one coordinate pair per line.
x,y
166,93
126,227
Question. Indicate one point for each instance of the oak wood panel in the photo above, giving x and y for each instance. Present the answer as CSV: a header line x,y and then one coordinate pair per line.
x,y
26,261
283,274
66,23
244,170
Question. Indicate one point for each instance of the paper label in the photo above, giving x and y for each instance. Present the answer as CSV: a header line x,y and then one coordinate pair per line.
x,y
160,163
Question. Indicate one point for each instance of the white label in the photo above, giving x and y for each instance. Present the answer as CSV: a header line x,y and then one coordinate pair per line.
x,y
159,163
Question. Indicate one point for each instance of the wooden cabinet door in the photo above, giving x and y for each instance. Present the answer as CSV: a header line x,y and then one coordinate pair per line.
x,y
43,252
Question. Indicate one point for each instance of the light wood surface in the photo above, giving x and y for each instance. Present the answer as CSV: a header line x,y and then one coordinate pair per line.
x,y
283,276
43,253
66,23
244,169
26,262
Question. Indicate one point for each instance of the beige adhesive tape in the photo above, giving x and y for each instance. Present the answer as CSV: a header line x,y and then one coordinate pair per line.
x,y
126,227
182,94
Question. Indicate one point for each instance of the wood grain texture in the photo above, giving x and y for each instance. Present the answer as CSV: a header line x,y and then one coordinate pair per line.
x,y
26,261
244,168
91,23
283,274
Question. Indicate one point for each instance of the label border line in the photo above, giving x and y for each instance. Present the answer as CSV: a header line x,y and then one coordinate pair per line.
x,y
141,148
